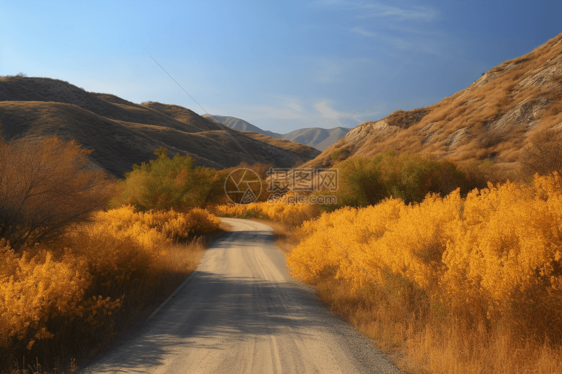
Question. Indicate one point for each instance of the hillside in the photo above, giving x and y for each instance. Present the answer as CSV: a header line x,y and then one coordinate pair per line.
x,y
493,119
317,137
241,125
122,133
314,137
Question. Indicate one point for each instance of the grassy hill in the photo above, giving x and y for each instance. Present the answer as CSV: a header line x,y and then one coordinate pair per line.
x,y
122,133
494,118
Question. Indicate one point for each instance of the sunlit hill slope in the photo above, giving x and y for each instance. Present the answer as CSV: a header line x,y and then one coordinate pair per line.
x,y
494,118
122,133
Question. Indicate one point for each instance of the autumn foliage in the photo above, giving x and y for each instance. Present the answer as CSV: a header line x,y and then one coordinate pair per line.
x,y
71,274
489,264
279,210
92,279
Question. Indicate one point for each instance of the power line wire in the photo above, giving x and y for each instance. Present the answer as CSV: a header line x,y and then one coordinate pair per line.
x,y
222,127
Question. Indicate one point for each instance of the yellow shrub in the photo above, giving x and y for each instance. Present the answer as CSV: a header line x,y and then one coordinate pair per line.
x,y
495,256
280,210
36,287
85,275
233,210
171,224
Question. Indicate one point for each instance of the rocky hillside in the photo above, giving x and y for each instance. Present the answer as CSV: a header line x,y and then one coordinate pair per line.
x,y
122,133
494,118
314,136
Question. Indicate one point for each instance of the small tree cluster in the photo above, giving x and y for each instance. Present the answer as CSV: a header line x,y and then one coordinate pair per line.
x,y
367,181
167,183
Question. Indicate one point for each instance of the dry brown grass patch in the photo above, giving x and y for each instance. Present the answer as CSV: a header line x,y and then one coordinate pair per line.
x,y
437,347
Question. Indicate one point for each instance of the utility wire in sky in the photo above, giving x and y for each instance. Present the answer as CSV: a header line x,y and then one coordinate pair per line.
x,y
222,127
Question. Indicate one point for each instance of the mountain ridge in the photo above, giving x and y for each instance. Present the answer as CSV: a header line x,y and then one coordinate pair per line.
x,y
316,137
122,133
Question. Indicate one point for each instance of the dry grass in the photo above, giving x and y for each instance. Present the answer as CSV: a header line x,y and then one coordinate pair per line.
x,y
178,262
491,119
36,368
434,347
406,119
122,133
543,153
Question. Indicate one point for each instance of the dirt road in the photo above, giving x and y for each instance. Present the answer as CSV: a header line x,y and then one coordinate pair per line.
x,y
241,312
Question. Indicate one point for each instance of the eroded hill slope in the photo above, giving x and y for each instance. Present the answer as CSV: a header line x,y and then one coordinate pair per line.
x,y
494,118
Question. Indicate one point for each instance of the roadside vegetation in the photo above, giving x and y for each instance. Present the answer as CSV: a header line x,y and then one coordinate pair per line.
x,y
449,267
479,278
74,274
281,211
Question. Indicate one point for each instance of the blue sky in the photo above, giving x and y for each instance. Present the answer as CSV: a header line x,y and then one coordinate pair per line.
x,y
281,65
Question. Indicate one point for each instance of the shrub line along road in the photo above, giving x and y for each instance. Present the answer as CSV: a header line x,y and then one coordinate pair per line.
x,y
241,312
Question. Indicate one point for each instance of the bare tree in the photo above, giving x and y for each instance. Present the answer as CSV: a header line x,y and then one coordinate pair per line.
x,y
44,188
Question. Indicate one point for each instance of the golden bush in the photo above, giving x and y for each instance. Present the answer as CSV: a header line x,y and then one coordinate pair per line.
x,y
36,287
493,258
82,278
292,214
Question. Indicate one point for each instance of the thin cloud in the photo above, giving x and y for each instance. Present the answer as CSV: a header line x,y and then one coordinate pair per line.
x,y
329,113
327,70
401,14
334,69
376,9
291,113
360,31
295,106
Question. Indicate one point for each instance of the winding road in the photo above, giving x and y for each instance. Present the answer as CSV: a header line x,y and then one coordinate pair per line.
x,y
241,312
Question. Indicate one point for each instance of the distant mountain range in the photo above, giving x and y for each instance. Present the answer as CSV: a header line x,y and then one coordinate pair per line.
x,y
314,136
122,133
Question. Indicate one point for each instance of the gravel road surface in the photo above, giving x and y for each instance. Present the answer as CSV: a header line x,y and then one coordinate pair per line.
x,y
241,312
